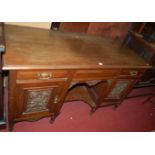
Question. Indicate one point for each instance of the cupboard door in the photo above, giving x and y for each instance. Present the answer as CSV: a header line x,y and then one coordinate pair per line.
x,y
37,99
120,89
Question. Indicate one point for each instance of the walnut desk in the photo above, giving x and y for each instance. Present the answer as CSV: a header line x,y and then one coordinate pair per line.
x,y
47,69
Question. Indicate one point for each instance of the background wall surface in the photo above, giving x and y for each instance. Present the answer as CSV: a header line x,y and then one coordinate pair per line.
x,y
45,25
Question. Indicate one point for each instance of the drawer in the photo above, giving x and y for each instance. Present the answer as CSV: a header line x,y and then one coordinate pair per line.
x,y
131,73
41,74
91,74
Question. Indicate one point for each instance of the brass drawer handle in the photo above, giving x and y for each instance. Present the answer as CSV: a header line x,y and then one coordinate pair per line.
x,y
133,73
44,76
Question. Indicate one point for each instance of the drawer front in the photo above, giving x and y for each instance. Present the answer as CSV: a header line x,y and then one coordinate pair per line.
x,y
131,73
91,74
41,75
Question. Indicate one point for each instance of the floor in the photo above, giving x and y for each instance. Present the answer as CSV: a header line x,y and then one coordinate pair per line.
x,y
131,115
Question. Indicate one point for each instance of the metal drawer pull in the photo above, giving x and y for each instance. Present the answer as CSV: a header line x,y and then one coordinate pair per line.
x,y
44,76
133,73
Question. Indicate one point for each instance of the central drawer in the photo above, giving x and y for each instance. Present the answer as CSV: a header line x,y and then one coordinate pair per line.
x,y
95,74
41,74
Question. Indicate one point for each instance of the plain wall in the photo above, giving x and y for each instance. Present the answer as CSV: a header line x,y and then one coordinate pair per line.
x,y
45,25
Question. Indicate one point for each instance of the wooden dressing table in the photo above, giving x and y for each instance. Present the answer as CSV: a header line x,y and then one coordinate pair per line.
x,y
47,69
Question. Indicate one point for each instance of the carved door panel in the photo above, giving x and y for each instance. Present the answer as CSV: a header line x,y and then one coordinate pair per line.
x,y
120,89
37,99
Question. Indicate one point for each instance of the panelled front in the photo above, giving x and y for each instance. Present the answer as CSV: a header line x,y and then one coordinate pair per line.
x,y
120,89
108,86
40,93
123,84
37,93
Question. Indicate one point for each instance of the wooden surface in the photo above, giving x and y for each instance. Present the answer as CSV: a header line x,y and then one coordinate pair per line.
x,y
31,48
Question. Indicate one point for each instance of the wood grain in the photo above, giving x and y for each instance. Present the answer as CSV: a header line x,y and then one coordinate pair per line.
x,y
30,48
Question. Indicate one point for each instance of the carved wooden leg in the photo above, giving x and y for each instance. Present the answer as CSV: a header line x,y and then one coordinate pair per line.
x,y
10,126
115,106
93,109
53,117
10,122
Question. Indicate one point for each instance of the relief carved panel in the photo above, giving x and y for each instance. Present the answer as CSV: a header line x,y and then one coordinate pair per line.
x,y
38,100
120,86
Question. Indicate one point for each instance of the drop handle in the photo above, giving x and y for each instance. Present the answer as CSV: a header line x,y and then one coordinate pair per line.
x,y
133,73
44,76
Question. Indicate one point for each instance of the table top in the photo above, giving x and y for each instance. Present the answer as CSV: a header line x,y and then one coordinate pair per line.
x,y
34,48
